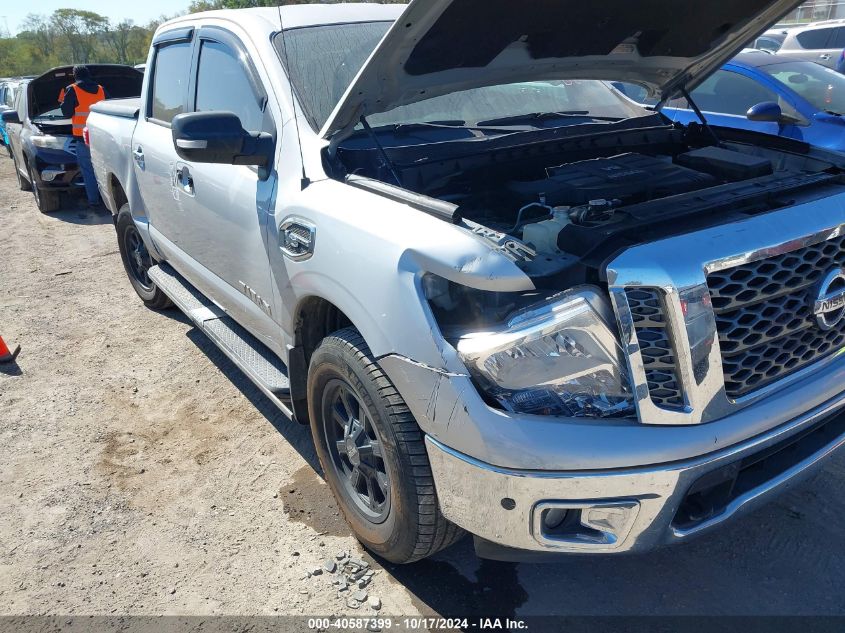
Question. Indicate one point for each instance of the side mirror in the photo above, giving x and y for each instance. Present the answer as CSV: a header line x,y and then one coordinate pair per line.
x,y
767,112
10,116
218,137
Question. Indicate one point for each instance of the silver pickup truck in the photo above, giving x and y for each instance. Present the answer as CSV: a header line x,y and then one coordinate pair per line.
x,y
506,299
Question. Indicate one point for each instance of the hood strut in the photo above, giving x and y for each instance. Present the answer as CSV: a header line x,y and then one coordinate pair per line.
x,y
686,95
388,163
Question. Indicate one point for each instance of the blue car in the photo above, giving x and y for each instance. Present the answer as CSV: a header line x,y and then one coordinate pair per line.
x,y
767,93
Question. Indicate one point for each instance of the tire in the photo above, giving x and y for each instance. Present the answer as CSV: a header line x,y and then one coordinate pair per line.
x,y
350,397
137,261
45,200
23,183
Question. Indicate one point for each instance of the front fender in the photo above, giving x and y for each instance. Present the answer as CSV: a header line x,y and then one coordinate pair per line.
x,y
369,257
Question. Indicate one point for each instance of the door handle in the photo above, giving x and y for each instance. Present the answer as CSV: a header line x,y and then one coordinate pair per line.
x,y
824,56
138,155
183,180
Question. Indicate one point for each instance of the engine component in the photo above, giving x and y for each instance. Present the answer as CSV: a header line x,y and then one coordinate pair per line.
x,y
629,177
594,212
543,235
725,164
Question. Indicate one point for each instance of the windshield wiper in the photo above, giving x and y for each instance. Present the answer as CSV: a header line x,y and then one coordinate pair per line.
x,y
542,116
452,124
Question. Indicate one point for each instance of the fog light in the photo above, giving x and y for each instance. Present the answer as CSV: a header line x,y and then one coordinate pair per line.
x,y
49,175
554,517
584,525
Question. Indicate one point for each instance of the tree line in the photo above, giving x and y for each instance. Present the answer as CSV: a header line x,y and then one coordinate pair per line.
x,y
73,36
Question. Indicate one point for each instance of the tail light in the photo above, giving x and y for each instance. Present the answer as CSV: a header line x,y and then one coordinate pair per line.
x,y
85,136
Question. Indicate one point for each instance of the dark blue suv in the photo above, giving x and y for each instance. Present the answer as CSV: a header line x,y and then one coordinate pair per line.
x,y
40,136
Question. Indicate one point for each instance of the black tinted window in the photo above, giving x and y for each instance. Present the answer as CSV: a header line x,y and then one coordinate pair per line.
x,y
837,39
768,43
223,84
170,80
817,38
323,60
730,93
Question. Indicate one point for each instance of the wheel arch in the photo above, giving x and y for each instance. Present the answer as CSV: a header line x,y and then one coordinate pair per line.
x,y
313,319
116,193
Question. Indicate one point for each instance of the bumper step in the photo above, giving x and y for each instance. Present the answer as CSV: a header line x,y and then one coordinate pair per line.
x,y
260,364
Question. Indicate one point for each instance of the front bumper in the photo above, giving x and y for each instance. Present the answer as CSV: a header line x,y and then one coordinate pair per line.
x,y
637,509
56,169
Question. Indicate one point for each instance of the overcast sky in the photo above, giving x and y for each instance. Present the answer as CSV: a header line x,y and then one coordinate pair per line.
x,y
13,12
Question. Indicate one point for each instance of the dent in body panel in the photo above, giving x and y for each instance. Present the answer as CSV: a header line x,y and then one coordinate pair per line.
x,y
369,256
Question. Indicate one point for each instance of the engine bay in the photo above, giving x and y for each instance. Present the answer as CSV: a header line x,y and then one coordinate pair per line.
x,y
562,209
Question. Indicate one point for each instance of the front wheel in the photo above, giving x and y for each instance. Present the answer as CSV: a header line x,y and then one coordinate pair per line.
x,y
137,261
45,199
373,454
23,183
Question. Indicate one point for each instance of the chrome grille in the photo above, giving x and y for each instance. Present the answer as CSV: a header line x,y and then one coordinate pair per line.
x,y
661,368
764,315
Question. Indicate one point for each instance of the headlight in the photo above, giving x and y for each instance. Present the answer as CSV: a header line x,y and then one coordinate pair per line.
x,y
557,357
48,141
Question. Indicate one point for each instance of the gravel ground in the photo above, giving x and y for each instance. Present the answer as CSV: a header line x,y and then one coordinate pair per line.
x,y
141,473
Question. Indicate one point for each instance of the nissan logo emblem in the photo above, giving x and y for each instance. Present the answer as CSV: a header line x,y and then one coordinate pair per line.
x,y
829,307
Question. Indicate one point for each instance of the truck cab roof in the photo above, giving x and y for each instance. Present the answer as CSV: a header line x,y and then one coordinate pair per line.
x,y
267,19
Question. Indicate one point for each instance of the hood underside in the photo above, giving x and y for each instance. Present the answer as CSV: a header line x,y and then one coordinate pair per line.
x,y
441,46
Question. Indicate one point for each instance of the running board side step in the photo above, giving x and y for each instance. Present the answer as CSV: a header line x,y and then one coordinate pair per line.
x,y
252,357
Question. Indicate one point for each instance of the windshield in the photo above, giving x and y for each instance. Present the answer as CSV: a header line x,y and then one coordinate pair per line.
x,y
53,114
822,87
323,60
491,105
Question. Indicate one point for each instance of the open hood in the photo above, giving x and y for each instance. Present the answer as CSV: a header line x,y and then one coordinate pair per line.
x,y
118,80
441,46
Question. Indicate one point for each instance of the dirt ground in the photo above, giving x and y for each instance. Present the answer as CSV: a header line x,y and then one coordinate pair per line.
x,y
141,473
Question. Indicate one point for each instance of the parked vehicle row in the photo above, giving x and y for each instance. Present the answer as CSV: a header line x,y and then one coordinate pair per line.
x,y
821,42
40,136
505,298
766,93
8,90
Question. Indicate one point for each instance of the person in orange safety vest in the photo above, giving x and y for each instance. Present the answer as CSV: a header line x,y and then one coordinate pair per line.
x,y
76,101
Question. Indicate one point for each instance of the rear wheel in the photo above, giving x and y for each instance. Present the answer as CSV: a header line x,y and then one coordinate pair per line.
x,y
373,454
45,200
137,261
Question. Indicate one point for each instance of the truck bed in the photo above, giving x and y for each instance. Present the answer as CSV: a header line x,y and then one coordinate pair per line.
x,y
126,108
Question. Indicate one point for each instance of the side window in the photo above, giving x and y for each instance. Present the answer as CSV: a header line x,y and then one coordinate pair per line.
x,y
170,81
767,44
223,84
727,92
814,39
20,102
838,38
